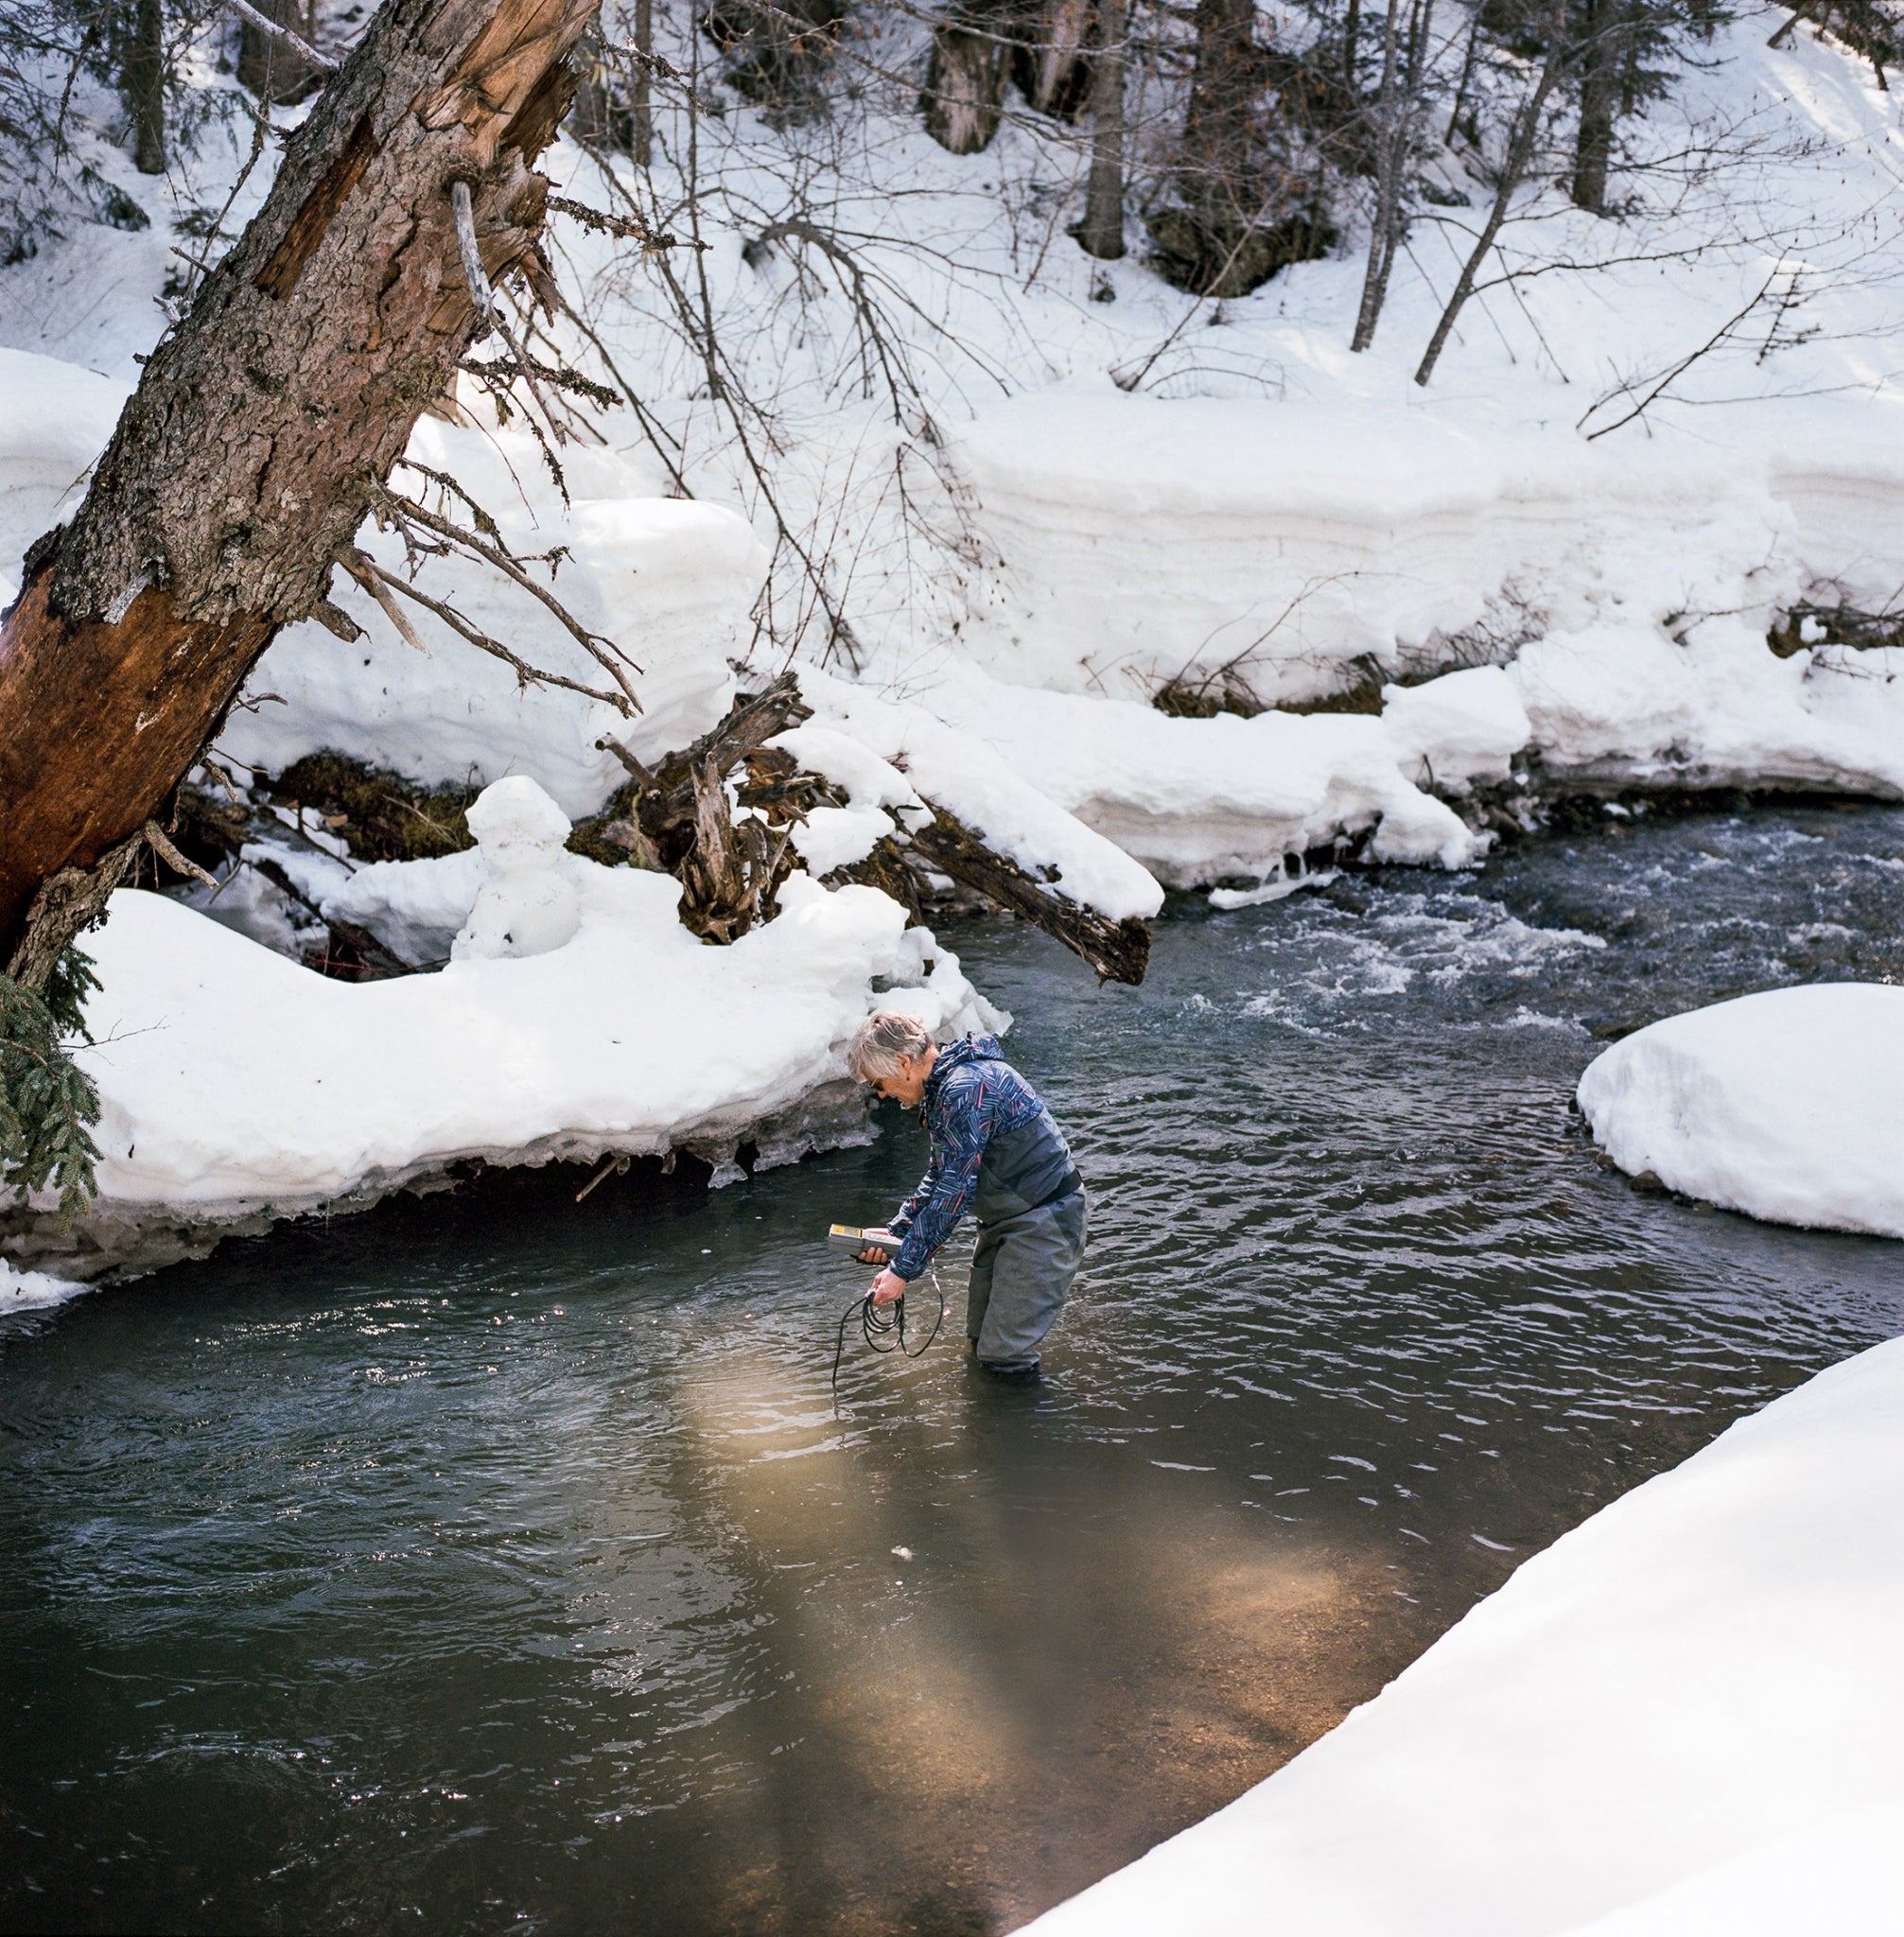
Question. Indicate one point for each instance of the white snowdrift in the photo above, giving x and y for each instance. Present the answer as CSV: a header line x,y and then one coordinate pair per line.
x,y
1706,1669
1143,540
234,1080
1196,800
55,420
1846,1879
1140,537
1786,1105
669,581
33,1291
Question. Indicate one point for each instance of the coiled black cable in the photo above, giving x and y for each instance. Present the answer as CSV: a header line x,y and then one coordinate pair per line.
x,y
883,1327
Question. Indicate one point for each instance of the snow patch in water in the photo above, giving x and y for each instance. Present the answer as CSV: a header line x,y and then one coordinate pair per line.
x,y
33,1291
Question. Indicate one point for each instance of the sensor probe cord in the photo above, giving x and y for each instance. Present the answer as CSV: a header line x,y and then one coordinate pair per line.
x,y
883,1327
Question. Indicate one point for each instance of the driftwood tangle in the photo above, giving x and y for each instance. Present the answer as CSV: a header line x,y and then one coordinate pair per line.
x,y
266,422
730,873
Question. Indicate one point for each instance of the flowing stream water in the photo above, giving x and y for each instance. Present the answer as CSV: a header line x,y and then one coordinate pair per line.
x,y
490,1562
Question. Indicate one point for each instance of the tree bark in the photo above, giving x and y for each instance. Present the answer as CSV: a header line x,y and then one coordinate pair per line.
x,y
267,421
1387,197
1600,103
1101,232
963,94
1050,64
143,87
642,87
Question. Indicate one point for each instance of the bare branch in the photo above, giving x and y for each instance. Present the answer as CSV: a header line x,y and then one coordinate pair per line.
x,y
525,674
274,30
605,651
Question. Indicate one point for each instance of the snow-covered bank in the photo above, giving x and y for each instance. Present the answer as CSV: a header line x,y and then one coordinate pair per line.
x,y
1661,1722
33,1291
1199,800
578,1016
1788,1105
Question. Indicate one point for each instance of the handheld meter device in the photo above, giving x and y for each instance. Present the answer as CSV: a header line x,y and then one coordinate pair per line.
x,y
855,1238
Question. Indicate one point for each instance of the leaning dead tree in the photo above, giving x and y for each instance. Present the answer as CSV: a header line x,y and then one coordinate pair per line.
x,y
263,432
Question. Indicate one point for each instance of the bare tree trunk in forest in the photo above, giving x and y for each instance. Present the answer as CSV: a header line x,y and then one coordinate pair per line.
x,y
267,66
1101,232
1218,122
1599,103
641,86
1387,197
1467,75
143,87
964,93
1050,63
1520,153
1351,33
1206,233
1402,81
262,430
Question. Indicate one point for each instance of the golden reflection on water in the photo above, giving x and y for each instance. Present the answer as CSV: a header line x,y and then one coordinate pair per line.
x,y
1055,1680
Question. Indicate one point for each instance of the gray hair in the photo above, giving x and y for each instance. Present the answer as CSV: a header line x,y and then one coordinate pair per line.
x,y
880,1041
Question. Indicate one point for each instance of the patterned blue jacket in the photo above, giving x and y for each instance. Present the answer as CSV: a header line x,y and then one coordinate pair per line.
x,y
974,1100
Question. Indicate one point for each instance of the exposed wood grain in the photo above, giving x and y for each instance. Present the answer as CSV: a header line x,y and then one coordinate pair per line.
x,y
279,276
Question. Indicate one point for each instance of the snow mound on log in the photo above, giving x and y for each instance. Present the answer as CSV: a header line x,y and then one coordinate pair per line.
x,y
1198,800
1009,804
1706,1669
1788,1105
234,1081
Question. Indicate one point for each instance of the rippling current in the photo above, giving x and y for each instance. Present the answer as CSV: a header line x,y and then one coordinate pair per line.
x,y
491,1562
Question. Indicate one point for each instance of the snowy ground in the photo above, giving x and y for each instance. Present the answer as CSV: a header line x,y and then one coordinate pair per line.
x,y
1682,1718
1788,1105
576,1017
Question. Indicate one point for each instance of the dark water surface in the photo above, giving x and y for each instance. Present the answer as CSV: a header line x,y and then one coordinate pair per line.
x,y
488,1564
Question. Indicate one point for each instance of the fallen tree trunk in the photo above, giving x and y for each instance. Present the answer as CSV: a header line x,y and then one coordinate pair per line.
x,y
1119,950
262,430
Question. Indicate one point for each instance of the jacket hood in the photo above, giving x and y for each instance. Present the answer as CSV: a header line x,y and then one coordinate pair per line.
x,y
969,1049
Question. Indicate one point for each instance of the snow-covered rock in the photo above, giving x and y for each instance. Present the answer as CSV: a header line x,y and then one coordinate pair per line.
x,y
1788,1105
1671,1717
